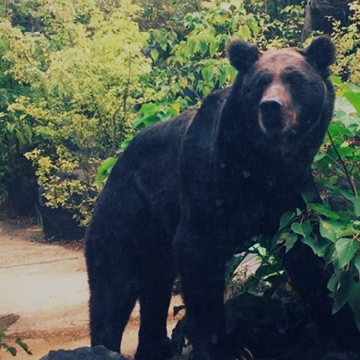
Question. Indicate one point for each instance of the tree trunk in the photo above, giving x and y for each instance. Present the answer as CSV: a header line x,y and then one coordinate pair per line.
x,y
317,15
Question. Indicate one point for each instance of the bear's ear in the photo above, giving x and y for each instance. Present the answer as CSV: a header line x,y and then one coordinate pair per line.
x,y
321,52
242,55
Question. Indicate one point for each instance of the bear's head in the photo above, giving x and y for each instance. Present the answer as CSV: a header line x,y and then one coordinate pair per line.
x,y
283,97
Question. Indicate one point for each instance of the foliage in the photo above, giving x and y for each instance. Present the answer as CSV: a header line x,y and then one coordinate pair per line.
x,y
337,169
15,132
187,68
281,21
168,13
64,183
11,349
347,40
81,73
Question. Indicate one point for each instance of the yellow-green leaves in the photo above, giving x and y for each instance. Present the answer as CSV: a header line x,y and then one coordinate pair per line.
x,y
81,70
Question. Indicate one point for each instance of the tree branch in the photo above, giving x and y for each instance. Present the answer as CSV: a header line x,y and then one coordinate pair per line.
x,y
348,175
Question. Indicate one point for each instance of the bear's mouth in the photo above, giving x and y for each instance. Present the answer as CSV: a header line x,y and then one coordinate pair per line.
x,y
271,117
275,121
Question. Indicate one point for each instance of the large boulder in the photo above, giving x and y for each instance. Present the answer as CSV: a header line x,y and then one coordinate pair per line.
x,y
84,353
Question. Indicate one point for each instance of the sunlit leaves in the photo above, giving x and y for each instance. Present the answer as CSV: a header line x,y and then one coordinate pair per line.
x,y
151,113
197,62
346,249
83,68
329,230
104,169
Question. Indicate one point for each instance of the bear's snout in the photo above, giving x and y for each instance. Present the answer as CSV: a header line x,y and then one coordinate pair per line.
x,y
276,112
271,114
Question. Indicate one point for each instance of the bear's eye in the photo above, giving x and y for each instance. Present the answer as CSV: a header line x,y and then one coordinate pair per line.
x,y
263,79
255,84
294,78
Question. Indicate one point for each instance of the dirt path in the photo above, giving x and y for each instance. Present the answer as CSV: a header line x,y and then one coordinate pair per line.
x,y
44,293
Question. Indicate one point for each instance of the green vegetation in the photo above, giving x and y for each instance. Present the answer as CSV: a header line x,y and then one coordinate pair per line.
x,y
79,78
9,348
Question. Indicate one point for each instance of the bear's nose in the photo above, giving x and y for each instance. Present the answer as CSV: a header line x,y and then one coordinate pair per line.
x,y
271,114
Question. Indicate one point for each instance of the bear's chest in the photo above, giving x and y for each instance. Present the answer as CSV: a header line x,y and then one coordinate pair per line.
x,y
256,210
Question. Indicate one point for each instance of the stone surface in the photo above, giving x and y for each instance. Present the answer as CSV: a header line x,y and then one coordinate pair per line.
x,y
84,353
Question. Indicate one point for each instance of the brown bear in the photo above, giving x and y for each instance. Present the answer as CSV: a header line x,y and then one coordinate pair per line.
x,y
187,192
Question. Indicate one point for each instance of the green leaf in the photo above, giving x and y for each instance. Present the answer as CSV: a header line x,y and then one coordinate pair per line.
x,y
28,133
318,246
345,193
149,109
324,210
353,87
152,119
23,346
303,229
348,232
191,46
10,127
160,37
290,241
20,137
319,156
207,73
126,142
344,291
356,203
346,249
333,282
329,230
222,77
308,196
354,99
297,228
206,90
230,73
10,349
104,169
164,116
357,263
146,111
212,47
252,23
244,32
285,219
237,3
336,80
154,54
203,47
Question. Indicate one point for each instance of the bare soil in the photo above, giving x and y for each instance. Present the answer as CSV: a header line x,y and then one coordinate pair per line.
x,y
44,293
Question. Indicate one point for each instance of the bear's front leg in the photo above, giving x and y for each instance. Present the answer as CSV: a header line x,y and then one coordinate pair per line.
x,y
201,267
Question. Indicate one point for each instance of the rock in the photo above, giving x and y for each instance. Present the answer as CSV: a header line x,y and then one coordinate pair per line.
x,y
267,326
342,356
84,353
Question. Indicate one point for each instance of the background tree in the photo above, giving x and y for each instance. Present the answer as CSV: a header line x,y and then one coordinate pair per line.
x,y
319,15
